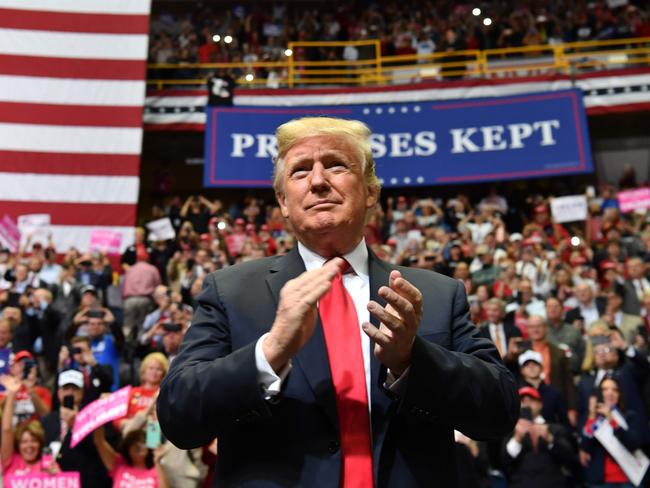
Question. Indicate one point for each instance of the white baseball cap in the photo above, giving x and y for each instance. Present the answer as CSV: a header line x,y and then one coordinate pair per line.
x,y
530,355
71,377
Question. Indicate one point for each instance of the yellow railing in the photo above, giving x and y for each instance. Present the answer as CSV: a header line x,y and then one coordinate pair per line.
x,y
375,69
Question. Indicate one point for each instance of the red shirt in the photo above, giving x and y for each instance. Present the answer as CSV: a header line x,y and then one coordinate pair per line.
x,y
140,399
24,409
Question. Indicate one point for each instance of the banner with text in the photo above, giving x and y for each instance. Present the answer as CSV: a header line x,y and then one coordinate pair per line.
x,y
99,412
68,479
416,144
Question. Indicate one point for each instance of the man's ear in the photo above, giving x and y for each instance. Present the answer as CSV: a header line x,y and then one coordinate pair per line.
x,y
373,196
283,204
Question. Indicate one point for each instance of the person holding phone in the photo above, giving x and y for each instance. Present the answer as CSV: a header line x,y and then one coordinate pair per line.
x,y
98,378
133,463
32,401
606,404
58,433
21,450
537,451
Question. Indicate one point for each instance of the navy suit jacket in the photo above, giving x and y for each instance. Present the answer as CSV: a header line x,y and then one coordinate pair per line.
x,y
456,381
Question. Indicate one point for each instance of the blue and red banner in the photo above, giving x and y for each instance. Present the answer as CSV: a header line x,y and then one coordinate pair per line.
x,y
415,144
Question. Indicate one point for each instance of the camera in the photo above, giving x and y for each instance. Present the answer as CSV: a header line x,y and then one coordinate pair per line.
x,y
28,365
170,327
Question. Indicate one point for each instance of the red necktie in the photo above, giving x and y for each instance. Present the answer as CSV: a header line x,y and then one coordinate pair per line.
x,y
342,337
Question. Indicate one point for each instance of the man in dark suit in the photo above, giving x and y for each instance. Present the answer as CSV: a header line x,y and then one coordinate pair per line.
x,y
261,366
589,308
503,334
634,287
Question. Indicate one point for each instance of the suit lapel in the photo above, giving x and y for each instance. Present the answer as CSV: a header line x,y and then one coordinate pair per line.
x,y
380,402
312,359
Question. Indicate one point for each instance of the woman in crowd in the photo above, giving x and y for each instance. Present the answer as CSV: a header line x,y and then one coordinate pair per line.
x,y
133,464
601,469
21,450
152,371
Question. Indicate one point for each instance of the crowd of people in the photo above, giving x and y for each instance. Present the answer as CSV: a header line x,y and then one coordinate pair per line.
x,y
566,305
247,33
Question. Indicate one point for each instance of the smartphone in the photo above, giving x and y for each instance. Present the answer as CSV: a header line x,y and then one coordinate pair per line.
x,y
27,368
169,327
599,396
525,345
153,436
526,413
68,402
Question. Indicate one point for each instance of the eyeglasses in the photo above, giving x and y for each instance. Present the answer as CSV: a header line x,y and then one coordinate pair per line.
x,y
603,350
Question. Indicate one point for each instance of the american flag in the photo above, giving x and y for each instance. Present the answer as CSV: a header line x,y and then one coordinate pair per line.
x,y
72,91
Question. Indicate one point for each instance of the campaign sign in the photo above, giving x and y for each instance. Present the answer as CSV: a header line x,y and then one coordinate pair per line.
x,y
99,412
631,200
416,144
9,233
569,209
68,479
107,241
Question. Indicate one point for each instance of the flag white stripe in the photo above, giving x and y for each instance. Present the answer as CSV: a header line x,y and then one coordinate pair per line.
x,y
32,187
140,7
185,118
67,139
616,99
174,101
613,81
71,92
22,42
66,236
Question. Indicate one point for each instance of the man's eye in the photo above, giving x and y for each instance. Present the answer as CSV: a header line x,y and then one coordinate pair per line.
x,y
298,173
337,167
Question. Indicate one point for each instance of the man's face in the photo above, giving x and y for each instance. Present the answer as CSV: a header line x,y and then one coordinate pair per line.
x,y
536,329
584,293
5,333
493,313
533,403
635,268
554,310
95,327
324,192
80,356
614,302
605,356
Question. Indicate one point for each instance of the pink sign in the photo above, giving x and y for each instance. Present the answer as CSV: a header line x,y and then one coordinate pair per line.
x,y
107,241
9,233
631,200
69,479
100,412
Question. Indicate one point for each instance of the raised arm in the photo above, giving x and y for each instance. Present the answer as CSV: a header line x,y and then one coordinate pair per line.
x,y
12,385
105,450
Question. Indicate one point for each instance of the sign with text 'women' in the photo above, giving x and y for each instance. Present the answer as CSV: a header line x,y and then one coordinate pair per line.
x,y
420,143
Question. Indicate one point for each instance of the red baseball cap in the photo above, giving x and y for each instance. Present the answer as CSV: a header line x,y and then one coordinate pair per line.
x,y
20,355
239,221
529,391
206,237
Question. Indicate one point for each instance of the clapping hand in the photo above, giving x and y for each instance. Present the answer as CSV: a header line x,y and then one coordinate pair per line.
x,y
400,319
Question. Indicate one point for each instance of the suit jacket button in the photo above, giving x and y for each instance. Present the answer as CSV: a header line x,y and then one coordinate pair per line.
x,y
333,446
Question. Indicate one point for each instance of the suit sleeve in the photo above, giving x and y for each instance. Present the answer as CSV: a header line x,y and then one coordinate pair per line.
x,y
467,387
209,386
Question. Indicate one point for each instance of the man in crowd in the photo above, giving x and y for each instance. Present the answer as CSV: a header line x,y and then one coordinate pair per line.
x,y
58,433
98,378
589,308
501,334
299,393
557,371
140,282
563,334
635,286
531,368
538,451
102,344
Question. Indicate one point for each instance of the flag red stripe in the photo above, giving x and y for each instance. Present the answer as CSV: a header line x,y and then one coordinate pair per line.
x,y
95,214
79,115
95,69
69,163
74,22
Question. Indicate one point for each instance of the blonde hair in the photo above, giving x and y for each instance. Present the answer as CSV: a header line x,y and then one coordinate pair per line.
x,y
35,428
358,133
154,356
597,328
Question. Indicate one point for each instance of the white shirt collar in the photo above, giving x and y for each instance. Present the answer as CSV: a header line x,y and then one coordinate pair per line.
x,y
358,258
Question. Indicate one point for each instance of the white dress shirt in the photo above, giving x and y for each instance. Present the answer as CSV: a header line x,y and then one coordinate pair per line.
x,y
358,286
497,329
